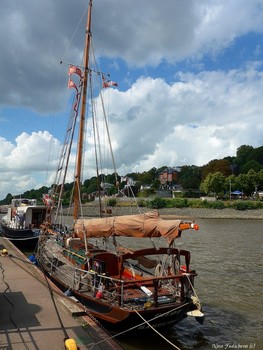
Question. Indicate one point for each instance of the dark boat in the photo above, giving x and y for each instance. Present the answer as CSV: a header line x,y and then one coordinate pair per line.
x,y
21,224
126,271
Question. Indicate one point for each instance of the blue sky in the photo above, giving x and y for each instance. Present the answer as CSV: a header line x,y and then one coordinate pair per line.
x,y
189,73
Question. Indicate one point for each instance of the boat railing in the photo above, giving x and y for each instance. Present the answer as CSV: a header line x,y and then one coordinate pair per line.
x,y
112,288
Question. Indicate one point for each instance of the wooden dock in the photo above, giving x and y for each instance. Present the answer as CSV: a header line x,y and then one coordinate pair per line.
x,y
34,315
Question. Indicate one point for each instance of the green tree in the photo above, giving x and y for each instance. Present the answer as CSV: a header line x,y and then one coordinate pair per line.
x,y
231,184
190,177
243,154
213,183
256,154
260,179
253,180
251,165
145,178
110,178
8,198
156,183
244,184
217,165
90,185
134,176
154,173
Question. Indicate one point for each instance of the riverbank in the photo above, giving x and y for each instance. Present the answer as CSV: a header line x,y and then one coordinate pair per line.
x,y
202,213
91,210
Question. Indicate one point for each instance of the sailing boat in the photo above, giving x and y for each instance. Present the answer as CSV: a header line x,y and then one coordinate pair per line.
x,y
124,287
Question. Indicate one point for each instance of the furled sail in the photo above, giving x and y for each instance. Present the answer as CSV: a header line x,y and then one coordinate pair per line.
x,y
149,224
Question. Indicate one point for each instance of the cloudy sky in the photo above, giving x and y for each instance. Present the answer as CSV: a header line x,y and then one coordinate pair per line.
x,y
189,75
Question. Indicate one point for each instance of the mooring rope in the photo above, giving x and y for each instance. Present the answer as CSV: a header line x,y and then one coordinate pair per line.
x,y
162,336
195,299
134,327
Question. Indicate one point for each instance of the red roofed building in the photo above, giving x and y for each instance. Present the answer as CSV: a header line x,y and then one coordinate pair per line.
x,y
168,175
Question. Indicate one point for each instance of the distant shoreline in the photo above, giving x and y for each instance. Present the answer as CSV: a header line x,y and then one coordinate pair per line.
x,y
91,210
190,213
202,213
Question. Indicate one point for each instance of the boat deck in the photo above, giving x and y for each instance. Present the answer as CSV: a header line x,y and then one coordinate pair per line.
x,y
136,291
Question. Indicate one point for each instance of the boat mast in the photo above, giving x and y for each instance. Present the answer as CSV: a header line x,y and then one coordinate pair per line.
x,y
82,116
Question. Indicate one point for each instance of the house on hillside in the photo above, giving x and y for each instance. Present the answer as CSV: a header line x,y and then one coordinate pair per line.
x,y
168,176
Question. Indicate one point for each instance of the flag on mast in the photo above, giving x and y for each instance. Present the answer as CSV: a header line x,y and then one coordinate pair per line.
x,y
108,83
74,70
72,85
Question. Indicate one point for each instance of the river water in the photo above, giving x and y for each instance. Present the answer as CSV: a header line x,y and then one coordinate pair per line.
x,y
227,255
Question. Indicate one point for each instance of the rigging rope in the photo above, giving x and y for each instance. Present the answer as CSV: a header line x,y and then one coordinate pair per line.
x,y
105,119
75,31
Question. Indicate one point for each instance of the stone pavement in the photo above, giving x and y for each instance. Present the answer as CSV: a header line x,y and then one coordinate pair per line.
x,y
31,316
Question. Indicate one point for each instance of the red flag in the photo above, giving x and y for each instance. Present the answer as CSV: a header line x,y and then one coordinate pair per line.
x,y
71,84
74,70
107,83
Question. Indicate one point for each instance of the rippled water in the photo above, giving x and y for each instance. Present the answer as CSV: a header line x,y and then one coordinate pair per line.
x,y
227,255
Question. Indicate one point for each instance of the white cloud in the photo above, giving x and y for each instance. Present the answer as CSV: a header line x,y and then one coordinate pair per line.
x,y
26,164
200,118
203,117
142,35
169,118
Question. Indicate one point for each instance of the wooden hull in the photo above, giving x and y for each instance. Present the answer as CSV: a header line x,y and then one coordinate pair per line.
x,y
129,308
118,319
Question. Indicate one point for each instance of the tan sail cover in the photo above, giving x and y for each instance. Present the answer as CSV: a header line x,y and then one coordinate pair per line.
x,y
140,226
